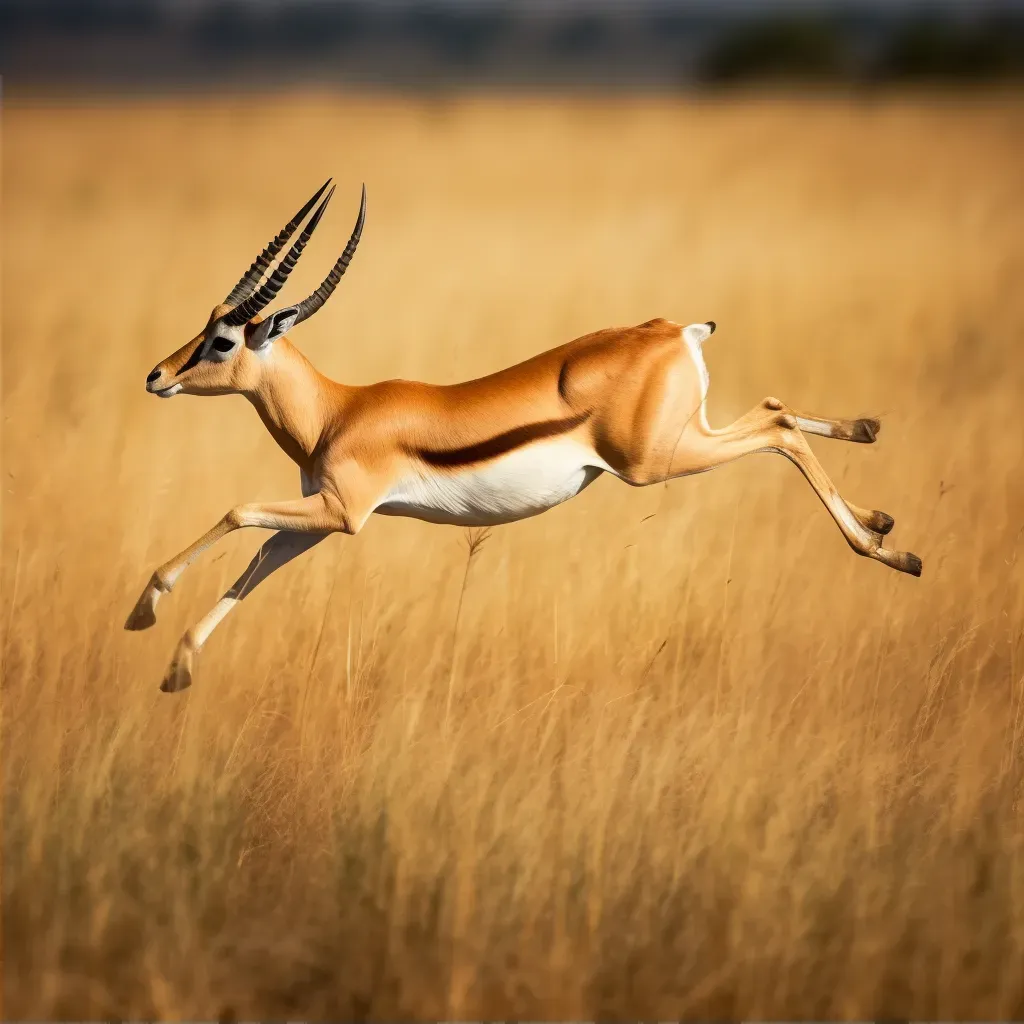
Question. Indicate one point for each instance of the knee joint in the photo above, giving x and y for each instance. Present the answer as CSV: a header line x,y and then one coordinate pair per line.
x,y
236,517
338,518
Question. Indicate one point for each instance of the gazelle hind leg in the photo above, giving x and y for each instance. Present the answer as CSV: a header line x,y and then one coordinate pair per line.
x,y
863,431
771,427
278,551
861,536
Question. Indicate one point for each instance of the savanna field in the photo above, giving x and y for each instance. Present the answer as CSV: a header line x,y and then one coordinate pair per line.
x,y
660,752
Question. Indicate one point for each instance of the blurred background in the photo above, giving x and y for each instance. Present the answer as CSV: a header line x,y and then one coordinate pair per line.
x,y
662,752
610,43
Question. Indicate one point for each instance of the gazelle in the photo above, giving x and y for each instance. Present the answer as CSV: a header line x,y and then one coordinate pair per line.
x,y
628,401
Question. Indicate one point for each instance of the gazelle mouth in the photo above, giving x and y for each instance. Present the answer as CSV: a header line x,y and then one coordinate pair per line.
x,y
168,392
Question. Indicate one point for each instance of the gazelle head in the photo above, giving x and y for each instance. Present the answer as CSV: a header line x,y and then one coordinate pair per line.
x,y
228,355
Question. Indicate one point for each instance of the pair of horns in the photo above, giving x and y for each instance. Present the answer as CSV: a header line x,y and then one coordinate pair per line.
x,y
248,300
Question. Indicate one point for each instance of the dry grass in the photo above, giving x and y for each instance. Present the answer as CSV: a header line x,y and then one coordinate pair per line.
x,y
686,754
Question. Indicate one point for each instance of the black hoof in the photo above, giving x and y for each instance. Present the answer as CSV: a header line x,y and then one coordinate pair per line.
x,y
179,675
881,523
865,431
140,618
903,561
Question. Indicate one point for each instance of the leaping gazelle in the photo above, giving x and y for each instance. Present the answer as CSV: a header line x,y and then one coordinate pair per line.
x,y
628,401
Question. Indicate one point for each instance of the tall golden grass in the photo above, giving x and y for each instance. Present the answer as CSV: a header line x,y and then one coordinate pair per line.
x,y
680,753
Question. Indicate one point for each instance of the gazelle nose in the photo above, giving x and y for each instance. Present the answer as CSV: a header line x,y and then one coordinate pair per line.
x,y
155,375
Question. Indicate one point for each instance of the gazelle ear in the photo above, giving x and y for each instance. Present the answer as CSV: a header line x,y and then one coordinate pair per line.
x,y
268,331
699,333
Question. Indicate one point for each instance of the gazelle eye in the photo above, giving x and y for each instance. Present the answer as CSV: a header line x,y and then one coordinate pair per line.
x,y
223,344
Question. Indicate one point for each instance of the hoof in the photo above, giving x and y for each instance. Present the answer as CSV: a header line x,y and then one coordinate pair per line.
x,y
904,561
880,522
142,617
911,563
179,675
865,431
144,613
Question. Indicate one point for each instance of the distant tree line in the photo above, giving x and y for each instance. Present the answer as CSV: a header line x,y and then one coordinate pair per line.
x,y
635,41
912,47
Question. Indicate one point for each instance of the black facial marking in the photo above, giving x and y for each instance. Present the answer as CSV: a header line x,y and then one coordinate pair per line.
x,y
193,360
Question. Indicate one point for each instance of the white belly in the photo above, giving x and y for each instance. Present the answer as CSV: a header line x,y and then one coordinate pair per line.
x,y
522,483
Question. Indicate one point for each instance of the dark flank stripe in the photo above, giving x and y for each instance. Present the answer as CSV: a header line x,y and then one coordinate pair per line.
x,y
501,444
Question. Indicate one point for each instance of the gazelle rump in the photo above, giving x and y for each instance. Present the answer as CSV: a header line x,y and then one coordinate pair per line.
x,y
627,401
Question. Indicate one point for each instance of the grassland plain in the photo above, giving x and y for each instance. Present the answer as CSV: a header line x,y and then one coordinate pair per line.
x,y
681,753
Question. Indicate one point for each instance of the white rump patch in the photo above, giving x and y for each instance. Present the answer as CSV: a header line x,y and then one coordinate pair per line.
x,y
693,337
697,334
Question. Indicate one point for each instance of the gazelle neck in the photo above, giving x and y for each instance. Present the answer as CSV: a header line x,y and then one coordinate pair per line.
x,y
293,400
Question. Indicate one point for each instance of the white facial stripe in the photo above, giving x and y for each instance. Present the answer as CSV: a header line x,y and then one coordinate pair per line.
x,y
221,330
215,355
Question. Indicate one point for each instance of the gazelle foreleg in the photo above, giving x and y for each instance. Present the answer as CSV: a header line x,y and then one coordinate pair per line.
x,y
314,514
276,552
773,428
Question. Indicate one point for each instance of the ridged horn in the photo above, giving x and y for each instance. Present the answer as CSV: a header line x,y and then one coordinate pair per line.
x,y
308,306
252,277
252,305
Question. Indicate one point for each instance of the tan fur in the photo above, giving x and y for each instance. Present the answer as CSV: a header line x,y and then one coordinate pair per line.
x,y
632,396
